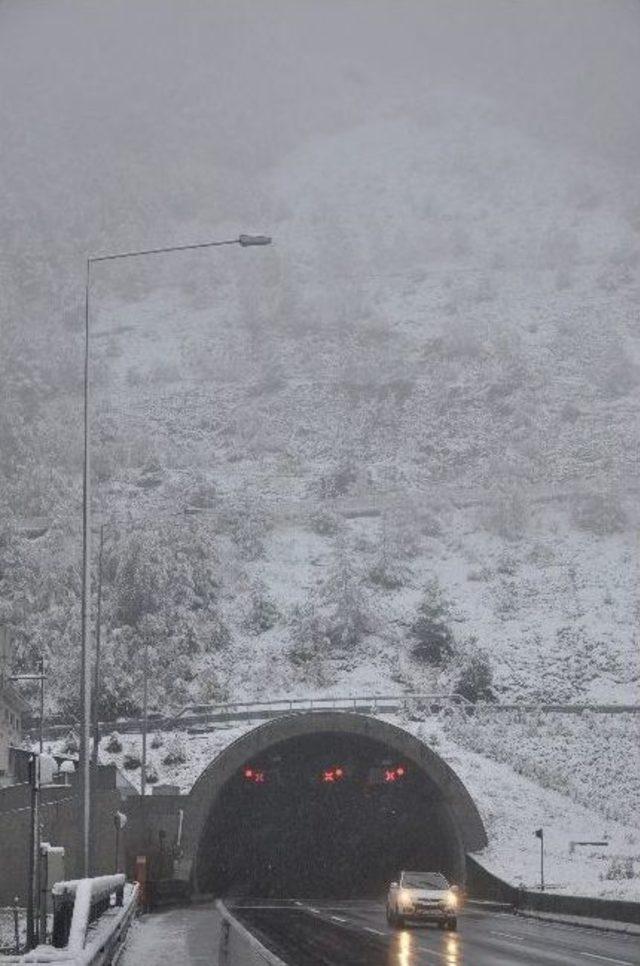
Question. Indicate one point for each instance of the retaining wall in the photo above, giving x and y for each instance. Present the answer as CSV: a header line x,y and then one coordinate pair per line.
x,y
60,822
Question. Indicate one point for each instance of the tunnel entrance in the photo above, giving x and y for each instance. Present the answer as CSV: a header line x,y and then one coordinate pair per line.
x,y
326,813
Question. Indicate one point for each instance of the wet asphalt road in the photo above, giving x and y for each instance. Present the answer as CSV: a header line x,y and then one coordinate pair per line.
x,y
355,933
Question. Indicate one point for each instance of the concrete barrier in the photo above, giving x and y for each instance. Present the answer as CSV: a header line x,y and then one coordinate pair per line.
x,y
615,910
482,884
237,946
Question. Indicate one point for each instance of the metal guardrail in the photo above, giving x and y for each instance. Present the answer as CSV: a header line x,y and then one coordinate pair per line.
x,y
376,702
262,710
202,714
195,718
559,708
380,704
87,929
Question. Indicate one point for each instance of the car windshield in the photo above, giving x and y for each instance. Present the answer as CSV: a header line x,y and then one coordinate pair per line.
x,y
424,880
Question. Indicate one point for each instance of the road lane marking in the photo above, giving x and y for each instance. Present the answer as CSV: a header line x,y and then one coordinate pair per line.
x,y
509,935
606,959
338,919
315,911
377,932
264,906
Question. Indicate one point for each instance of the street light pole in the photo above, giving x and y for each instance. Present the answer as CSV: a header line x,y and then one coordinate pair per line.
x,y
95,709
96,672
85,662
245,241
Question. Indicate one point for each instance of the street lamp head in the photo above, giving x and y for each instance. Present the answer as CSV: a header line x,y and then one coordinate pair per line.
x,y
247,240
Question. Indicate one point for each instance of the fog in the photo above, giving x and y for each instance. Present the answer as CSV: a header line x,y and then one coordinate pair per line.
x,y
449,304
137,121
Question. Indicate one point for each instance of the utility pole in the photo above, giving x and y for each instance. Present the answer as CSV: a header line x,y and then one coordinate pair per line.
x,y
33,894
34,850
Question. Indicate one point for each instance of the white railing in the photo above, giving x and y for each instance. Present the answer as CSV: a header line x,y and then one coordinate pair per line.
x,y
96,929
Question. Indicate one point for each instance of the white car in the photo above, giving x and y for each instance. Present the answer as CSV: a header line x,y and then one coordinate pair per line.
x,y
423,897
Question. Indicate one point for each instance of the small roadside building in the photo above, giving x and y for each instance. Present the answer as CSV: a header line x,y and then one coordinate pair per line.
x,y
12,707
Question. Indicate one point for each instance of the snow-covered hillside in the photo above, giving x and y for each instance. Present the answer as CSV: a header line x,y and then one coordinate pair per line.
x,y
396,450
452,350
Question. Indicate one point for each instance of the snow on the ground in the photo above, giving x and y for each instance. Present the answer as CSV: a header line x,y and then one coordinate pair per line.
x,y
169,938
553,612
591,757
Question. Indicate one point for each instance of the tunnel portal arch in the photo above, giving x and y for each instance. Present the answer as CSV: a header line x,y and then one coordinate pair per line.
x,y
452,809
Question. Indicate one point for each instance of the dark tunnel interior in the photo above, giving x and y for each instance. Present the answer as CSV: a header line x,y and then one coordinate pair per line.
x,y
325,815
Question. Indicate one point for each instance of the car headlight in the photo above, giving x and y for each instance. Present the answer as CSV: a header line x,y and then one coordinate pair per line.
x,y
451,899
405,897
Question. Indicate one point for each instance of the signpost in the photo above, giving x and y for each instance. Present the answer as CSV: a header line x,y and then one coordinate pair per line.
x,y
539,834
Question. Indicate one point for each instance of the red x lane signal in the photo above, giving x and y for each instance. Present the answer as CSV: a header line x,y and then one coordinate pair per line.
x,y
332,775
394,774
254,775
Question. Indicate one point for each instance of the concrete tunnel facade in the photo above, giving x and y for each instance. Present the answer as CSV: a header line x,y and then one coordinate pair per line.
x,y
297,836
